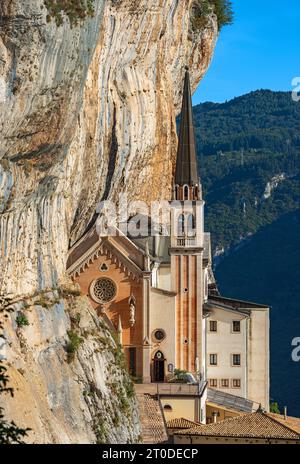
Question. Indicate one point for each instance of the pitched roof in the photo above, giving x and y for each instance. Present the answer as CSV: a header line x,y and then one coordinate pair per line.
x,y
237,304
291,422
227,400
256,425
211,304
186,164
181,424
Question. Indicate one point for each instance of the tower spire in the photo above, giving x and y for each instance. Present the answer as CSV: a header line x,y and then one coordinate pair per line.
x,y
186,165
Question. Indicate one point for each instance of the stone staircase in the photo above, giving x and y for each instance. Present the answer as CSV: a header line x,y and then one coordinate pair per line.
x,y
153,425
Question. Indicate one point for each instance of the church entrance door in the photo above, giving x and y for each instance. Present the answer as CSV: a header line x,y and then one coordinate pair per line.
x,y
159,367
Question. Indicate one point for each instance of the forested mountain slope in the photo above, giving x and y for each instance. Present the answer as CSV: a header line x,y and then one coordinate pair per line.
x,y
249,161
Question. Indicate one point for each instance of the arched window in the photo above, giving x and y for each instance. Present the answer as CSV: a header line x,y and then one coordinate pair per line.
x,y
158,367
168,408
159,355
196,192
181,226
186,192
191,225
176,192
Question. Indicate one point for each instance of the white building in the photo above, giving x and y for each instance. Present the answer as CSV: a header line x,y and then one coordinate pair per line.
x,y
237,348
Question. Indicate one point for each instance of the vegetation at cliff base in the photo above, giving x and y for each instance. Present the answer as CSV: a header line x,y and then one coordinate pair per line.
x,y
74,10
10,433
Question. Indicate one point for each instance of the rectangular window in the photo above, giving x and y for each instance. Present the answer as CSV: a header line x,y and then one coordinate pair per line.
x,y
225,383
236,326
213,359
213,326
236,383
213,383
132,362
236,359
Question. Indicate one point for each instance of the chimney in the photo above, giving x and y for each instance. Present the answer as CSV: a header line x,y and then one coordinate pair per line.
x,y
285,412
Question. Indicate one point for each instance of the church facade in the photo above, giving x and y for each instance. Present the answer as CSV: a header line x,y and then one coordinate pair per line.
x,y
159,297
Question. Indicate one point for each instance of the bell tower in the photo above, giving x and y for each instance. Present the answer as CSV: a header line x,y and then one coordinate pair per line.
x,y
187,241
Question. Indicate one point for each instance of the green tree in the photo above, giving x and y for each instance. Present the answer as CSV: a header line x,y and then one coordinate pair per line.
x,y
224,12
10,433
274,408
180,375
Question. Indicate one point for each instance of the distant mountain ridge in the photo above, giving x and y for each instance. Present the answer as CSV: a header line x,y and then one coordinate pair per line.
x,y
260,119
243,145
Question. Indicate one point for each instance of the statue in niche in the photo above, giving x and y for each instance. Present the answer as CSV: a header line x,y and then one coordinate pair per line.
x,y
132,308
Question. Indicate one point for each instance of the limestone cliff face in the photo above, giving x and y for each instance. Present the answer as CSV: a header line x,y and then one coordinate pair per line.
x,y
68,375
86,112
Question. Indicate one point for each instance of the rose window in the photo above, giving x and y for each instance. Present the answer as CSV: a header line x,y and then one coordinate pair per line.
x,y
103,290
159,335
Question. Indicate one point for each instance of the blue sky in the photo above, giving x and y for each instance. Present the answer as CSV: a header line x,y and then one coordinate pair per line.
x,y
261,50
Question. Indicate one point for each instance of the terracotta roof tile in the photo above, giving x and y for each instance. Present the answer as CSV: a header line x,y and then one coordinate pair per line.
x,y
255,425
181,423
291,422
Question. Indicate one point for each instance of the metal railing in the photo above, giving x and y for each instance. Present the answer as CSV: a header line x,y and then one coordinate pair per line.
x,y
168,389
183,242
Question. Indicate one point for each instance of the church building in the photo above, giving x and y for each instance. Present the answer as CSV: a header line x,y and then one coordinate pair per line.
x,y
159,297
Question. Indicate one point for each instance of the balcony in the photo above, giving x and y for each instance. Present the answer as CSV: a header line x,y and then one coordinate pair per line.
x,y
170,389
186,242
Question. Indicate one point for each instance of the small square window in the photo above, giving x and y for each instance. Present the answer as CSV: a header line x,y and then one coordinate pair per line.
x,y
236,326
213,383
213,359
236,359
213,326
236,383
225,383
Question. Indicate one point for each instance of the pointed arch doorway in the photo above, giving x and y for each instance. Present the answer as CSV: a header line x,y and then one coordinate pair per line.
x,y
158,367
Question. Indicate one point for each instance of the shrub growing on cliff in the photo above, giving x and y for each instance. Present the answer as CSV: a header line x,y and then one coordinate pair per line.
x,y
223,10
73,345
203,8
74,10
21,320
